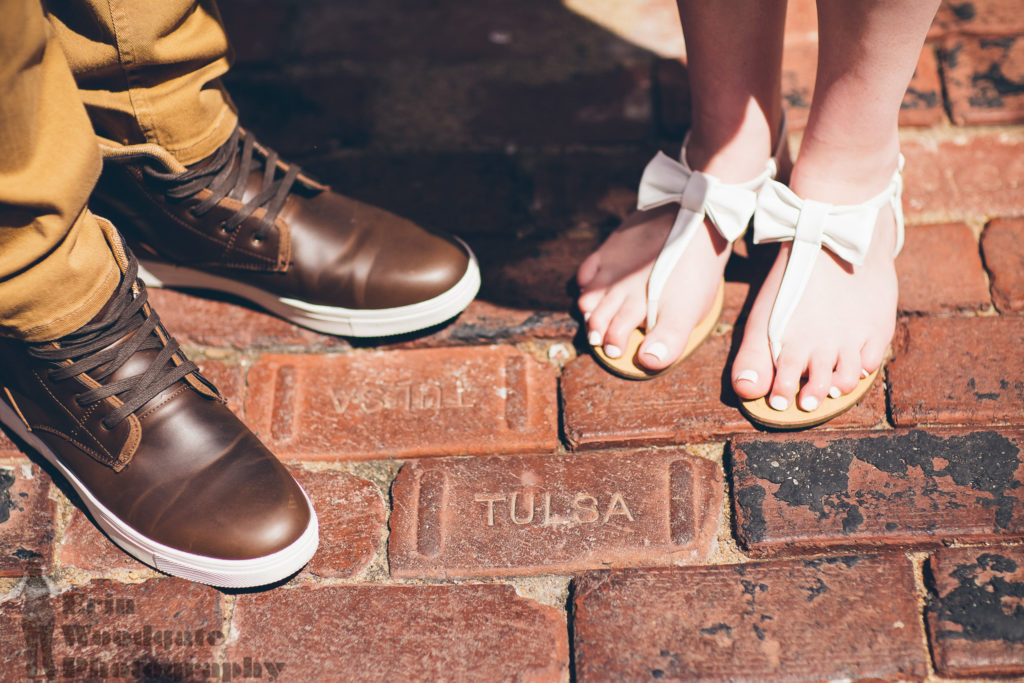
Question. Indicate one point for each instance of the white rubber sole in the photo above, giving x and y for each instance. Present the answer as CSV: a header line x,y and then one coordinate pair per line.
x,y
258,571
346,322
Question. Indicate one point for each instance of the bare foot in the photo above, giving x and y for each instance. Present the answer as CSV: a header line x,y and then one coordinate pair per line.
x,y
613,280
847,315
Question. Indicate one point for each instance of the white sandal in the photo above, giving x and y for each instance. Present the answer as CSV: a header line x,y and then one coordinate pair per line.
x,y
699,195
782,216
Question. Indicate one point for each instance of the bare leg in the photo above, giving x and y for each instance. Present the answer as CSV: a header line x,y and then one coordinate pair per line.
x,y
867,53
734,48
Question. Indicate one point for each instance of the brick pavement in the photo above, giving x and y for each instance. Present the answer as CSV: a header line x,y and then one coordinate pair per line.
x,y
493,505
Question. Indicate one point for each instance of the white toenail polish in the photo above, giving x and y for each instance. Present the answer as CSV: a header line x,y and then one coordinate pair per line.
x,y
586,316
778,403
834,392
747,376
808,403
864,373
658,350
594,338
612,351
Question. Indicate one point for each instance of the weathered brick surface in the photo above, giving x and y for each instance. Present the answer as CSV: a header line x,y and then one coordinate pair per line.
x,y
1003,246
691,403
975,618
969,175
921,106
984,78
836,618
26,514
481,400
462,193
538,275
164,629
958,371
229,378
978,17
804,493
500,516
86,547
352,518
387,633
940,270
603,107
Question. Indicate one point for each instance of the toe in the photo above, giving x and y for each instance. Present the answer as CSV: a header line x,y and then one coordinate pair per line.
x,y
666,342
847,373
625,320
871,354
588,269
599,318
752,369
789,369
819,381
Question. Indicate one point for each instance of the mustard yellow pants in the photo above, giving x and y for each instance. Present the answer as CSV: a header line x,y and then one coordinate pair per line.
x,y
130,71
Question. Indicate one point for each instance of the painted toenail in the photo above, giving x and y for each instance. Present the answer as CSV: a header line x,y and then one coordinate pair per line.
x,y
747,376
612,351
778,403
594,338
658,350
586,316
864,373
808,403
834,392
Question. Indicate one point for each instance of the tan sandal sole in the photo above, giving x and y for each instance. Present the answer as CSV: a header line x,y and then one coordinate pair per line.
x,y
792,417
626,365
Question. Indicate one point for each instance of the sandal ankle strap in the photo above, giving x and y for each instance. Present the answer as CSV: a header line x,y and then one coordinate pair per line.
x,y
730,206
846,230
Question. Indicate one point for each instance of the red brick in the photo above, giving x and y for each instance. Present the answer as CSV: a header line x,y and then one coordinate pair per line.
x,y
940,270
86,547
1003,246
682,406
203,321
975,616
958,371
26,515
801,20
970,175
300,110
378,632
985,79
165,629
484,322
535,275
836,618
603,107
978,17
352,519
921,106
457,401
587,191
465,193
501,516
802,493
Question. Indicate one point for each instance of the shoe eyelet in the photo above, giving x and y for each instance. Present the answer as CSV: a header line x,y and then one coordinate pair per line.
x,y
223,227
256,240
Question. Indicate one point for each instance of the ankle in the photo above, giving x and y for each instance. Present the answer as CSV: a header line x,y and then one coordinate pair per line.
x,y
734,152
843,173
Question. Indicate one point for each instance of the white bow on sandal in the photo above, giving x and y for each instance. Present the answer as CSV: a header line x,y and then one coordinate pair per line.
x,y
782,216
699,195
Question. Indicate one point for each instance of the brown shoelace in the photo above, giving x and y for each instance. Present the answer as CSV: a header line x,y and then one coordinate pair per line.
x,y
92,348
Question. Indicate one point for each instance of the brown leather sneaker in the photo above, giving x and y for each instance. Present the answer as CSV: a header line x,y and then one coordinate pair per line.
x,y
244,222
164,467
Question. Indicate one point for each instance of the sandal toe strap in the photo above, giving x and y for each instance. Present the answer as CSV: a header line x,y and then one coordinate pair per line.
x,y
699,195
782,216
